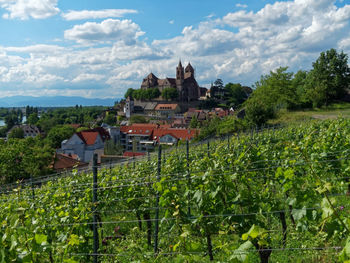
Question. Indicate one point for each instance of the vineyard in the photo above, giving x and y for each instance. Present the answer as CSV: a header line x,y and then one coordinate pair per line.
x,y
270,196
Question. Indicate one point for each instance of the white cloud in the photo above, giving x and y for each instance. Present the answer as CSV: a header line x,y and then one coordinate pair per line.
x,y
97,14
239,47
241,5
171,22
108,30
35,49
88,77
25,9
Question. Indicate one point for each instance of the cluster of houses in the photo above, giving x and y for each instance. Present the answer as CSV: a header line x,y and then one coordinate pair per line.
x,y
135,139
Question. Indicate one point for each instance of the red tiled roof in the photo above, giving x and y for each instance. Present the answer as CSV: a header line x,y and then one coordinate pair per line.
x,y
156,131
133,154
166,106
73,156
87,137
180,134
103,133
64,162
144,130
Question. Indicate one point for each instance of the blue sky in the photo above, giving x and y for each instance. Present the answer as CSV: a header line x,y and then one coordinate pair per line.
x,y
100,48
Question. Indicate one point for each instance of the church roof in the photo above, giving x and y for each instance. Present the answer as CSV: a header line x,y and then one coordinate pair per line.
x,y
151,76
189,67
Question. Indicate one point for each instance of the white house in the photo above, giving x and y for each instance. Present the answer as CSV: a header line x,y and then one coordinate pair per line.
x,y
84,144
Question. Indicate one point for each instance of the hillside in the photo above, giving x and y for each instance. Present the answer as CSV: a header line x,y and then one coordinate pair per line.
x,y
273,196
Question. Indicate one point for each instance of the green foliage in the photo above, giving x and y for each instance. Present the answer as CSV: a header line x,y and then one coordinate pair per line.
x,y
110,119
329,79
59,133
217,126
16,133
235,94
144,94
170,93
129,93
70,115
21,158
236,194
33,118
257,112
113,149
13,118
138,119
194,123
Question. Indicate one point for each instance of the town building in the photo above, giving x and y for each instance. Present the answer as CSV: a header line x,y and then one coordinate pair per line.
x,y
85,144
185,83
28,130
143,137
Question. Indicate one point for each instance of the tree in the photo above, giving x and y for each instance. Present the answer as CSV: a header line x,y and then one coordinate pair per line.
x,y
194,122
21,158
110,119
129,93
17,133
33,118
59,133
329,79
299,85
219,83
137,119
170,93
275,90
235,94
112,149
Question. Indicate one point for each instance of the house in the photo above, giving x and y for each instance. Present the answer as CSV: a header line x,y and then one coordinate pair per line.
x,y
143,137
28,130
84,144
65,162
168,110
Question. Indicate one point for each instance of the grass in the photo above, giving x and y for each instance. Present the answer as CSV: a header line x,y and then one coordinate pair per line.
x,y
333,111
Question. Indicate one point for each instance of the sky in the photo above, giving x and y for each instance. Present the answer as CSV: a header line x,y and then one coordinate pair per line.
x,y
99,49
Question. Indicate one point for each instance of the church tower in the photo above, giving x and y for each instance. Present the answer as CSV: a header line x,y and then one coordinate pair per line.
x,y
180,72
189,71
180,81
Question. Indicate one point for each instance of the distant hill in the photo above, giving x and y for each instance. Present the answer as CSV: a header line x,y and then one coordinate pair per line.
x,y
57,101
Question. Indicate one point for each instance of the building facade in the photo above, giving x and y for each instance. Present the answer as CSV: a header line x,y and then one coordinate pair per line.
x,y
185,83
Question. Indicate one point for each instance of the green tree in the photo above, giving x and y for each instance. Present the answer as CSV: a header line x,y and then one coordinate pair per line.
x,y
112,149
21,158
170,93
329,79
33,118
110,119
194,122
58,134
235,94
299,85
152,93
137,119
16,133
129,93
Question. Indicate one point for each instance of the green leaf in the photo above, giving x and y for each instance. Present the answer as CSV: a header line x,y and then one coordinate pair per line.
x,y
327,210
241,253
299,213
13,242
40,239
74,240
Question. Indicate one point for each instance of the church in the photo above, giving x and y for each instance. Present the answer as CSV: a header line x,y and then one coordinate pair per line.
x,y
185,83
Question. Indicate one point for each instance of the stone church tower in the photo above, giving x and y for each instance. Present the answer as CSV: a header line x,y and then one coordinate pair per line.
x,y
180,78
185,83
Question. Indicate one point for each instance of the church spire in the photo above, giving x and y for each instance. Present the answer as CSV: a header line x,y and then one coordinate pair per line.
x,y
180,71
